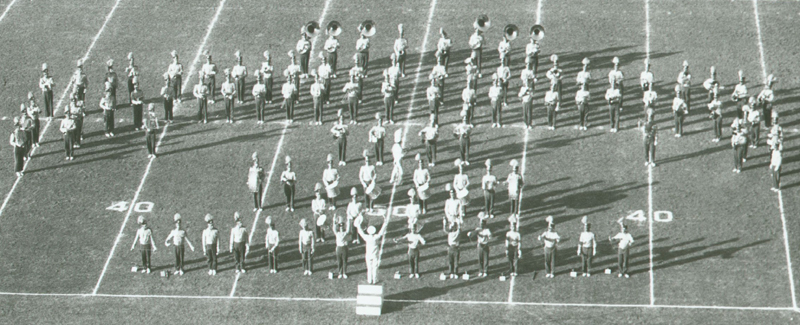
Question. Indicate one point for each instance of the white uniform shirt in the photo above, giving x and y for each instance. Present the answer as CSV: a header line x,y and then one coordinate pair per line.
x,y
625,240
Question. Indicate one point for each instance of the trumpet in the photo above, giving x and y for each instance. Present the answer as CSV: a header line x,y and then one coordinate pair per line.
x,y
482,23
311,28
334,28
511,32
367,28
537,32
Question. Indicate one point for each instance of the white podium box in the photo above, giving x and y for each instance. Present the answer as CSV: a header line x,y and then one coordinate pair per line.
x,y
369,300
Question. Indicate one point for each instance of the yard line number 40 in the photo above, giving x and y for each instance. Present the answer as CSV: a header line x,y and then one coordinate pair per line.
x,y
122,206
660,216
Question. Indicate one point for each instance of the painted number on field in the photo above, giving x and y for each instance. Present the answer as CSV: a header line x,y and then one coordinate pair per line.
x,y
660,216
122,206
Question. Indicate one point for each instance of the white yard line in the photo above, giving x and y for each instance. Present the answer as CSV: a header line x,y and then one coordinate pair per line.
x,y
649,169
780,194
278,148
150,162
58,104
408,116
8,7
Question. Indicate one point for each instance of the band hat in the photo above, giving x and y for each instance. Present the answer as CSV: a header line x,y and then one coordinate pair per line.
x,y
110,62
685,63
398,136
173,54
457,162
266,55
329,158
417,157
615,60
411,192
44,66
448,187
585,61
287,160
365,154
177,217
130,55
514,163
140,220
237,217
268,220
317,187
30,95
353,191
488,163
209,218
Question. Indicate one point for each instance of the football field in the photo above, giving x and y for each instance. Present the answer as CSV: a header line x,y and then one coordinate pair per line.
x,y
711,246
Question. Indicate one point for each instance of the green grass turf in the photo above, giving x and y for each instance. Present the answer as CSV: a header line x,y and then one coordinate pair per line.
x,y
699,259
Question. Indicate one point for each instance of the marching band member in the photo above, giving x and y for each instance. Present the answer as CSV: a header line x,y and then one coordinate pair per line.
x,y
680,110
255,179
649,98
739,94
482,235
515,183
168,94
513,245
175,76
587,247
462,133
527,76
319,217
17,140
776,158
112,80
371,239
132,71
305,245
27,127
229,89
331,48
709,83
400,48
318,206
552,101
453,207
443,48
239,73
434,100
357,74
340,132
178,236
476,45
437,76
351,93
80,82
503,76
615,77
461,184
397,157
388,91
330,179
471,71
340,231
144,237
303,48
650,137
317,96
210,242
290,97
525,92
150,129
239,243
271,242
647,78
33,111
504,50
422,182
497,105
765,99
392,73
429,135
77,112
739,143
614,99
582,98
293,74
260,96
362,54
376,135
324,73
412,209
715,113
67,129
266,73
625,240
46,84
367,177
775,134
753,116
551,239
532,55
488,184
289,181
584,76
201,92
414,240
137,102
353,212
453,231
554,74
685,84
469,98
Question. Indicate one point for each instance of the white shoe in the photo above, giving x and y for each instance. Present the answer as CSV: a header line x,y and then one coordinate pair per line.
x,y
627,276
209,272
244,271
344,276
411,276
416,275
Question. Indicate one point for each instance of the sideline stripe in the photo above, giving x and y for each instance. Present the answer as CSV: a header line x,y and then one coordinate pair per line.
x,y
150,162
649,170
408,116
278,148
5,12
58,104
789,270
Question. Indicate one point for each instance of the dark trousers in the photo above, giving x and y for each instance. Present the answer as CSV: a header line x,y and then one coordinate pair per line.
x,y
179,252
739,153
497,112
288,191
535,62
478,54
352,105
308,259
413,260
137,116
146,252
268,94
586,260
272,259
430,151
362,60
766,113
342,148
470,112
341,259
464,148
130,90
211,83
622,260
679,117
28,142
433,106
613,113
503,92
238,254
202,110
739,104
506,59
511,253
776,177
151,142
326,90
37,126
717,126
483,258
257,197
288,106
649,150
211,254
229,105
318,105
401,61
549,259
240,89
379,150
514,202
388,104
551,115
176,84
332,59
360,91
304,58
260,105
19,155
686,95
48,103
488,199
445,57
76,137
81,92
453,255
755,133
69,137
169,104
